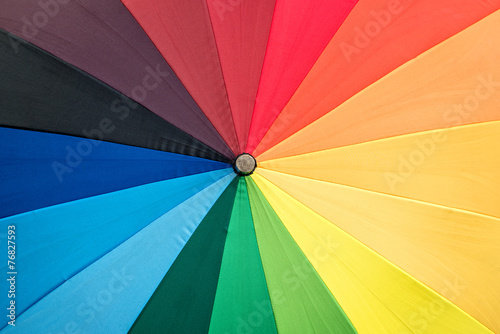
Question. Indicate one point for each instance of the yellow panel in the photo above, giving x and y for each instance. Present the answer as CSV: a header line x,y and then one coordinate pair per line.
x,y
456,253
455,83
458,167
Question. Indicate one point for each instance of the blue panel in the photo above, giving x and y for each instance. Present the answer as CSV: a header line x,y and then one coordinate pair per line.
x,y
55,243
42,169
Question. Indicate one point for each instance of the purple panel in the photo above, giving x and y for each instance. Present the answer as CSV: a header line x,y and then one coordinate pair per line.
x,y
103,39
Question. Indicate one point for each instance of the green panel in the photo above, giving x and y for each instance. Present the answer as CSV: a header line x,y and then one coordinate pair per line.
x,y
183,301
242,303
301,301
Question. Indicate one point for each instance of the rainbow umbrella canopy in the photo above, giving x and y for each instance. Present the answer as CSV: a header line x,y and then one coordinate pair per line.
x,y
129,135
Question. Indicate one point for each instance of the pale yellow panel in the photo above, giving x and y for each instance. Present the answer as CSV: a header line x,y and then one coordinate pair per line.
x,y
455,253
457,167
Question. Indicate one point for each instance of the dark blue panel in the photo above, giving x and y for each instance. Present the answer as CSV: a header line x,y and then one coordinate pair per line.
x,y
42,169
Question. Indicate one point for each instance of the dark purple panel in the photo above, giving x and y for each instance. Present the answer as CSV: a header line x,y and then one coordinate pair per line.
x,y
103,39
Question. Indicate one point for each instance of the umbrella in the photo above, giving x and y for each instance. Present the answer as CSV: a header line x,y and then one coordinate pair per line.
x,y
265,166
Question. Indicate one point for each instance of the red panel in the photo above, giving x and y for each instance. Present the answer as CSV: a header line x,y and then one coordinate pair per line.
x,y
241,29
299,33
377,37
182,32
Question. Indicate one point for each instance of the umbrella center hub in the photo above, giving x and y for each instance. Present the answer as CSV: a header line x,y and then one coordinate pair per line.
x,y
244,164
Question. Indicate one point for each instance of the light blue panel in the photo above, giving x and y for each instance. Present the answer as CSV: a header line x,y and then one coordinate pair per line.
x,y
107,296
55,243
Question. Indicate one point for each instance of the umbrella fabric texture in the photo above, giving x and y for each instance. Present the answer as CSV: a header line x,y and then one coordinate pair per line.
x,y
265,166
